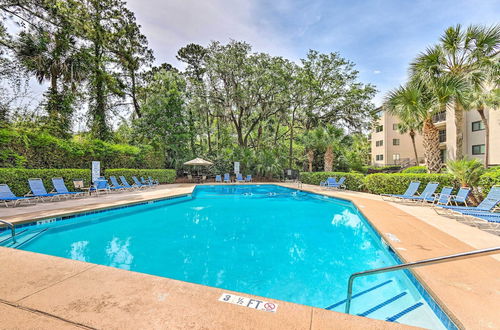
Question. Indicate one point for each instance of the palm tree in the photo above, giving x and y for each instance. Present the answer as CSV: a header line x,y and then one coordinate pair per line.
x,y
331,141
467,172
414,105
462,55
311,141
479,99
52,56
403,103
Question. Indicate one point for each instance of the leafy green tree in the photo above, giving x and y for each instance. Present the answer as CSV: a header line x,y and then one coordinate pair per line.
x,y
130,49
357,152
332,94
163,122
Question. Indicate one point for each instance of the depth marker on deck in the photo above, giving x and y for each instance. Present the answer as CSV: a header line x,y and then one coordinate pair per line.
x,y
260,305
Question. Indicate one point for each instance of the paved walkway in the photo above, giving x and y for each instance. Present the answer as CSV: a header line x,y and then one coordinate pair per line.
x,y
41,291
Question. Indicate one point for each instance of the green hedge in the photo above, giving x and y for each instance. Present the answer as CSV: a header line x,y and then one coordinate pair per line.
x,y
353,181
164,176
21,148
396,183
17,178
415,169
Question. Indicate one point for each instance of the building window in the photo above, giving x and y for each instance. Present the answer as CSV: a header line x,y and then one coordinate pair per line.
x,y
478,149
395,158
379,157
442,136
379,143
379,128
477,126
443,155
395,127
395,142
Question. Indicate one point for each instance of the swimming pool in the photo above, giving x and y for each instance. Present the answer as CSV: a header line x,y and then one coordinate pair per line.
x,y
265,240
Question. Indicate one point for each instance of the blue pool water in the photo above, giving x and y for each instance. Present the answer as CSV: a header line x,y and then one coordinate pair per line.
x,y
265,240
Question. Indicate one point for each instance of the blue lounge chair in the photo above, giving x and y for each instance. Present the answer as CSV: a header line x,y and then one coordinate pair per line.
x,y
337,185
443,198
115,184
411,191
427,194
126,184
328,181
227,178
60,187
38,190
490,217
239,178
218,178
488,204
138,183
249,178
100,185
7,196
154,182
146,182
461,196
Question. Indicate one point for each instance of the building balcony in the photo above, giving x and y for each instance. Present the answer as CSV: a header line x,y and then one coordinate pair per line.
x,y
439,117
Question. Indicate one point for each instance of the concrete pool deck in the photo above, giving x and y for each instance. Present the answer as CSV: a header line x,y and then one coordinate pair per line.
x,y
41,291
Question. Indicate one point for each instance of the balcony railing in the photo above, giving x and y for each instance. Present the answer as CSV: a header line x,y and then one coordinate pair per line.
x,y
439,117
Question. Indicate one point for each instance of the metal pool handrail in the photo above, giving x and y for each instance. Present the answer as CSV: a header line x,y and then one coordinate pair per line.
x,y
420,263
12,229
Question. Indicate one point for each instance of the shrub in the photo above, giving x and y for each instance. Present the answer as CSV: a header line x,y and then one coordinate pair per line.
x,y
17,178
396,183
488,180
415,169
164,176
353,181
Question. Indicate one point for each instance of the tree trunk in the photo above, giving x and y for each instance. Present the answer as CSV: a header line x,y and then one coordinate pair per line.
x,y
486,136
328,159
459,124
290,151
135,102
432,153
209,137
191,131
412,136
310,159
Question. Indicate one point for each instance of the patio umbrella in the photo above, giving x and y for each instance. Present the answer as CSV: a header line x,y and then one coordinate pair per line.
x,y
198,162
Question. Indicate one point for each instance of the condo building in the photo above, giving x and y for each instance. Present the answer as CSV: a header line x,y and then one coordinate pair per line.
x,y
389,147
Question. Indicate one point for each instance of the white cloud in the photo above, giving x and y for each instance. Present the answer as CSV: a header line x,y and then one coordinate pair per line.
x,y
170,25
377,72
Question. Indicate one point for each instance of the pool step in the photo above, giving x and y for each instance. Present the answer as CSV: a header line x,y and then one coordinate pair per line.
x,y
389,301
22,238
6,235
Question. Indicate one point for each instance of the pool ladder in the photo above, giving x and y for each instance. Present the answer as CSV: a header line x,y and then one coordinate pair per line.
x,y
420,263
12,229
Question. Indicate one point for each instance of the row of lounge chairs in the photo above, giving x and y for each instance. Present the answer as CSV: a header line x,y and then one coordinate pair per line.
x,y
38,192
445,203
332,183
239,178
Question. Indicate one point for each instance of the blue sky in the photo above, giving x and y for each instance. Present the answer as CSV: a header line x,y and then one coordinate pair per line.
x,y
380,36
